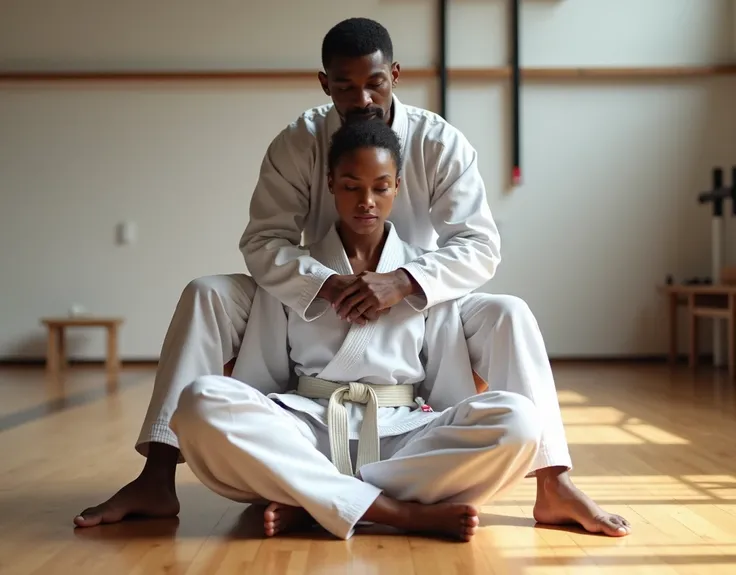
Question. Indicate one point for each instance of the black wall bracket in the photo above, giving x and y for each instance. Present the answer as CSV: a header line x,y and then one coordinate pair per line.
x,y
515,94
443,57
515,66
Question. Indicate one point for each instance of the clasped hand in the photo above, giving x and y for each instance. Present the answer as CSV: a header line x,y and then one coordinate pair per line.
x,y
366,296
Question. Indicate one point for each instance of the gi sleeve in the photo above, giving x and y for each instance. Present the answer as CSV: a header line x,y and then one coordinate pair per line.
x,y
469,245
278,209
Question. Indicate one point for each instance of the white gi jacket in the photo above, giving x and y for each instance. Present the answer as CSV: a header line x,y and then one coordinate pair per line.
x,y
426,348
441,202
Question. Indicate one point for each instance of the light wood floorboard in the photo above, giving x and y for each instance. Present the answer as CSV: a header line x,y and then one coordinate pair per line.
x,y
651,443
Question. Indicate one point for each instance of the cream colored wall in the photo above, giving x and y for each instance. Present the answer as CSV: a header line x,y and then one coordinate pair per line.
x,y
611,169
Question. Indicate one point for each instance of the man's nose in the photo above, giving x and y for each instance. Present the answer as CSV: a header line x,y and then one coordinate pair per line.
x,y
364,99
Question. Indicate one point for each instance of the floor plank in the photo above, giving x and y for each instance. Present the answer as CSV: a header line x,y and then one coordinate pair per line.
x,y
651,443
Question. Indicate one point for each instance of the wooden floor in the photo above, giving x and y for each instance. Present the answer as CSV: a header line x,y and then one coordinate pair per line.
x,y
655,445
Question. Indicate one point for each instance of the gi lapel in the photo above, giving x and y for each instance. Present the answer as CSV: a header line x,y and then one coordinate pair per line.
x,y
359,336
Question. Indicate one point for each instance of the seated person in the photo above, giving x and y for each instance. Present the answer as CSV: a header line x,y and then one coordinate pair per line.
x,y
330,422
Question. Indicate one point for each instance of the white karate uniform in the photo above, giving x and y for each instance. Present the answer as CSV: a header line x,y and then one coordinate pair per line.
x,y
441,206
251,438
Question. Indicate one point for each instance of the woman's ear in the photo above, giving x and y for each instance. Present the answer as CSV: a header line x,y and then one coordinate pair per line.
x,y
398,183
330,182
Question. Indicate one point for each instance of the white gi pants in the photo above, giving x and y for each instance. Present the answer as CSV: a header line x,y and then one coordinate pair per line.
x,y
248,448
505,342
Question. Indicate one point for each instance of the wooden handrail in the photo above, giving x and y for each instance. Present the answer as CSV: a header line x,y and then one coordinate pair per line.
x,y
490,73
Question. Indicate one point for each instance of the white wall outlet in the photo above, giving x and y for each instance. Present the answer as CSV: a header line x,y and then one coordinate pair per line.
x,y
127,233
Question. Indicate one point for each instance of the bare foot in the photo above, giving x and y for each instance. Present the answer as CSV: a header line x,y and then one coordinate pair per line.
x,y
454,520
139,497
560,502
279,518
151,494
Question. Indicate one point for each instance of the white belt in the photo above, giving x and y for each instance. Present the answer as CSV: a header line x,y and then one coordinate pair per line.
x,y
373,396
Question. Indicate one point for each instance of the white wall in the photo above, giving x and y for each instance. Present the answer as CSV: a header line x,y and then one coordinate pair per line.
x,y
611,169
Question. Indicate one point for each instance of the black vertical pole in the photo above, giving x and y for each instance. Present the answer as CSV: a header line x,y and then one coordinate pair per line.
x,y
515,85
733,190
717,186
443,58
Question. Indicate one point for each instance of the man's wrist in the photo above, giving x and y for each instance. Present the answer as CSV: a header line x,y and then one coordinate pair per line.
x,y
325,292
407,284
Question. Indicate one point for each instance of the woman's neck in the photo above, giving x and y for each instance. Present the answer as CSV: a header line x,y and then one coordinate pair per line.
x,y
363,247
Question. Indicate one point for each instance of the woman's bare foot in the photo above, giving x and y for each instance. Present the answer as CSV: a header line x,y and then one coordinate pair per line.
x,y
151,494
560,502
279,519
454,520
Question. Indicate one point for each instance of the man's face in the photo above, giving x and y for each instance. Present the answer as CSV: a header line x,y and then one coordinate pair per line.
x,y
361,88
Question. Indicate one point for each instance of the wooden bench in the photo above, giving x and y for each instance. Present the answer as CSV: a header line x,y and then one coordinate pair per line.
x,y
702,301
56,359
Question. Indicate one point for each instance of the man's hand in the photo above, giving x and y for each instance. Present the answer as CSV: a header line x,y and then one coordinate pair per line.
x,y
372,293
333,288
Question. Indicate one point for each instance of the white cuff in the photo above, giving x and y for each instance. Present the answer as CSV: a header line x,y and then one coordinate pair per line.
x,y
310,308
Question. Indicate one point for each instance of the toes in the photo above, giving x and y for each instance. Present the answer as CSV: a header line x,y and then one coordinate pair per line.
x,y
613,525
470,511
85,519
272,512
472,521
468,534
95,515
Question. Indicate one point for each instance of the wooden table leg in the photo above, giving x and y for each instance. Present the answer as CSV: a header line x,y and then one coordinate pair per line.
x,y
693,331
731,326
673,327
52,352
62,349
113,362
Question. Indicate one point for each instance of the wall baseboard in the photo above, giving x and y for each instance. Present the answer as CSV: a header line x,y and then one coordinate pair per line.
x,y
41,362
705,359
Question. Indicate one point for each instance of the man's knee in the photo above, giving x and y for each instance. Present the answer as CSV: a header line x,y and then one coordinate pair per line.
x,y
196,403
495,307
524,427
236,287
515,413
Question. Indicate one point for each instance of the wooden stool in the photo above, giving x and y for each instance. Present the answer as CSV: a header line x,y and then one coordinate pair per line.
x,y
56,359
702,302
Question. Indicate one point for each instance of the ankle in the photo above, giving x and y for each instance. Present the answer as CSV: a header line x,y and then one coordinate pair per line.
x,y
161,463
550,478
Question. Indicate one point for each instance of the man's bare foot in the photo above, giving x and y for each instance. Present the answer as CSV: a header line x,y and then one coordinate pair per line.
x,y
454,520
560,502
279,519
151,494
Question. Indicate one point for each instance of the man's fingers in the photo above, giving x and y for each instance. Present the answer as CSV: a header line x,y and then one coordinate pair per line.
x,y
348,305
350,289
362,309
372,314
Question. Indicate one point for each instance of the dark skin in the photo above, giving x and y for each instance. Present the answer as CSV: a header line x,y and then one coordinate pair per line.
x,y
358,87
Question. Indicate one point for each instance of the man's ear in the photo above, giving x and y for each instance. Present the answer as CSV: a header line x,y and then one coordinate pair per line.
x,y
323,82
330,182
395,73
398,183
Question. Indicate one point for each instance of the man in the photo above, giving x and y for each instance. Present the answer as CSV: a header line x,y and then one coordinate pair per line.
x,y
443,193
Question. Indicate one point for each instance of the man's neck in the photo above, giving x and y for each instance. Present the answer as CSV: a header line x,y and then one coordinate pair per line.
x,y
362,246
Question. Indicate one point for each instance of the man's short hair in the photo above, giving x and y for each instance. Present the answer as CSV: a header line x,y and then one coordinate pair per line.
x,y
354,38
